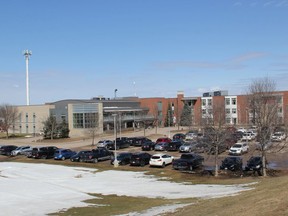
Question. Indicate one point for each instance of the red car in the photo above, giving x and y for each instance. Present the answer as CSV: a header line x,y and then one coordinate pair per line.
x,y
163,139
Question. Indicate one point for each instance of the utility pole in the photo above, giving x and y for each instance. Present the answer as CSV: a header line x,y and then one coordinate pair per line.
x,y
27,54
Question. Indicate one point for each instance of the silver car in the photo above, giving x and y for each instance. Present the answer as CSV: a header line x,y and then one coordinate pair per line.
x,y
21,150
103,143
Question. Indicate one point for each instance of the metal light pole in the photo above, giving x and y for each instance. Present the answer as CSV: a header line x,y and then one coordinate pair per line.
x,y
115,142
120,124
27,54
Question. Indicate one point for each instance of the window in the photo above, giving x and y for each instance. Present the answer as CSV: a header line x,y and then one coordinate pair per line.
x,y
227,101
209,102
228,120
234,111
233,101
78,120
227,111
203,111
203,102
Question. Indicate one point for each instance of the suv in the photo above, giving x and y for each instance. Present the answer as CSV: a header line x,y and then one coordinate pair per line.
x,y
254,164
103,143
21,150
44,152
174,145
239,149
232,164
140,159
7,149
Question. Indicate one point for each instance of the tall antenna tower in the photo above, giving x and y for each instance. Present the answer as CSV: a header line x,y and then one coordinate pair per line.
x,y
27,55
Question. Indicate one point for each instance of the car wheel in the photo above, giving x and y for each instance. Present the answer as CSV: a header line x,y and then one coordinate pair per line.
x,y
142,163
63,158
43,157
117,147
95,160
163,165
81,160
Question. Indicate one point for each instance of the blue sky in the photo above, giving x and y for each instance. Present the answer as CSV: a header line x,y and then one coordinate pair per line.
x,y
151,48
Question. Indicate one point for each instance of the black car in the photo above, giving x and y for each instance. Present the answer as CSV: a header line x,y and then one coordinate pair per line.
x,y
140,159
179,136
188,161
174,145
79,156
7,149
123,158
254,164
232,164
138,141
120,143
148,146
43,152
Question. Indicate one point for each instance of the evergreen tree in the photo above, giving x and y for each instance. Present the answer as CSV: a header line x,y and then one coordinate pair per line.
x,y
186,116
53,130
169,117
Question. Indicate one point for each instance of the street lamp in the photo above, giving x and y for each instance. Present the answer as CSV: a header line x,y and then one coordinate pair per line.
x,y
115,142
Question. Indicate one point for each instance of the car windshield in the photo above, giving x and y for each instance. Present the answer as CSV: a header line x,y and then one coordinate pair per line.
x,y
227,160
237,146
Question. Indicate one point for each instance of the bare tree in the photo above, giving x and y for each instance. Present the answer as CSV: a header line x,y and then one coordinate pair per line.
x,y
155,113
8,116
92,125
263,105
214,130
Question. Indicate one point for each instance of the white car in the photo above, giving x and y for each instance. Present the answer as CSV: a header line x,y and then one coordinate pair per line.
x,y
278,136
21,150
249,136
161,160
239,149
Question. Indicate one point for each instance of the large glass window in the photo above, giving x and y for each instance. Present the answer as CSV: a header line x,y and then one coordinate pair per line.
x,y
234,111
233,101
78,120
227,111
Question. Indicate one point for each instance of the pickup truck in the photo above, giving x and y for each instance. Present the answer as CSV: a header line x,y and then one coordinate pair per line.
x,y
188,161
98,154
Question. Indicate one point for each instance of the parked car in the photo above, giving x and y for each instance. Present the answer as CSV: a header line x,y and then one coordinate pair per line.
x,y
147,146
161,146
21,150
78,157
254,164
44,152
98,154
163,139
63,154
104,143
140,159
239,149
7,149
174,145
266,146
179,136
191,136
120,144
188,161
138,141
187,147
232,164
161,160
123,158
278,136
248,136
